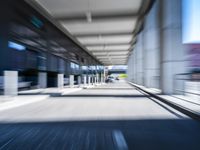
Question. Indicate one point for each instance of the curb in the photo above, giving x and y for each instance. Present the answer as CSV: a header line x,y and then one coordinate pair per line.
x,y
16,102
184,110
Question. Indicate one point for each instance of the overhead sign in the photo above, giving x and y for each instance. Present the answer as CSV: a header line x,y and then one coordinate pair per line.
x,y
36,22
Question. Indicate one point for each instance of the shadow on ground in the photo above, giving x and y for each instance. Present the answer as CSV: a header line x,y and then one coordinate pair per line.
x,y
100,95
166,134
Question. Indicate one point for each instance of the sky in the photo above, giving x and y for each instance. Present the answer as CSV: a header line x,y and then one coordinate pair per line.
x,y
191,21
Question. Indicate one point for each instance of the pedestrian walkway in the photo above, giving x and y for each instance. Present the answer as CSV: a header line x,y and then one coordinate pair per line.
x,y
189,102
9,102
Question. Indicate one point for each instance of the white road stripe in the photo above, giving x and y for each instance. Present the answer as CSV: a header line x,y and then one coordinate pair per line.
x,y
119,140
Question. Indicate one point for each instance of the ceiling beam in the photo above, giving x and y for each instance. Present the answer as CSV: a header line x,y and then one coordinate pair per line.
x,y
78,35
95,17
112,56
48,16
105,53
94,51
117,56
104,35
108,44
119,59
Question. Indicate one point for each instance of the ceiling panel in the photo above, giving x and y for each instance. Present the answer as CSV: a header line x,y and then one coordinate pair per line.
x,y
105,28
101,27
104,48
111,53
72,7
112,39
110,56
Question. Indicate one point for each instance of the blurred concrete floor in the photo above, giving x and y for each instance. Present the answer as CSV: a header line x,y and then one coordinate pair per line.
x,y
114,116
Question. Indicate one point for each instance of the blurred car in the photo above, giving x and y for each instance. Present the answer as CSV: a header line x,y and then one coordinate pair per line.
x,y
110,79
117,78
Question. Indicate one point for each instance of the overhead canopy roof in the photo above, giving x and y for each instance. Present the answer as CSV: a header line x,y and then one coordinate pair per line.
x,y
105,28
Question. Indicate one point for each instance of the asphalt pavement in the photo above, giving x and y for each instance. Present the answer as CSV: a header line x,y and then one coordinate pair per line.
x,y
114,116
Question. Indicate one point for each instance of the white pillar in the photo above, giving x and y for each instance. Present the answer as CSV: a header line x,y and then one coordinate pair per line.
x,y
97,78
151,48
10,83
139,61
89,80
85,80
92,79
102,80
71,80
104,75
60,80
79,80
173,51
42,80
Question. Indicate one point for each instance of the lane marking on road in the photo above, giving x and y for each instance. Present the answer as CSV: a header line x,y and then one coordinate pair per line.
x,y
8,142
119,140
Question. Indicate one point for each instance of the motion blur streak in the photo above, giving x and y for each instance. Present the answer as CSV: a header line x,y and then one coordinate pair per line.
x,y
99,75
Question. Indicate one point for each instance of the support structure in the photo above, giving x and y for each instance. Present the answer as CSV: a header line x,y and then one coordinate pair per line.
x,y
71,81
159,55
172,51
89,80
60,80
10,83
85,80
42,80
79,80
152,48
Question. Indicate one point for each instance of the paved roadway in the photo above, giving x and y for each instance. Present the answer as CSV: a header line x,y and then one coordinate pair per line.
x,y
108,117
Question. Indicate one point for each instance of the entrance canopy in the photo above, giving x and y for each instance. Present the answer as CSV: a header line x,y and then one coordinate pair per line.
x,y
105,28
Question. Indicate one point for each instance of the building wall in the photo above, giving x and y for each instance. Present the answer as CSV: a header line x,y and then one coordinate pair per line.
x,y
159,54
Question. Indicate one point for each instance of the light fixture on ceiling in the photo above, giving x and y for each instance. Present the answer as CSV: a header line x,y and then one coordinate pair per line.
x,y
89,17
88,13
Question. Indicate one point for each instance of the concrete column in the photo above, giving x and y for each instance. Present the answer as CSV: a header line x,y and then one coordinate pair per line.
x,y
71,81
151,45
173,52
42,80
102,78
89,80
60,80
95,80
104,75
79,80
130,70
139,59
10,83
92,79
85,80
134,66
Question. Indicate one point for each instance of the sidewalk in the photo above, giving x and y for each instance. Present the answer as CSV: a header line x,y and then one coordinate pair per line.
x,y
49,91
62,91
183,101
8,102
32,96
36,95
